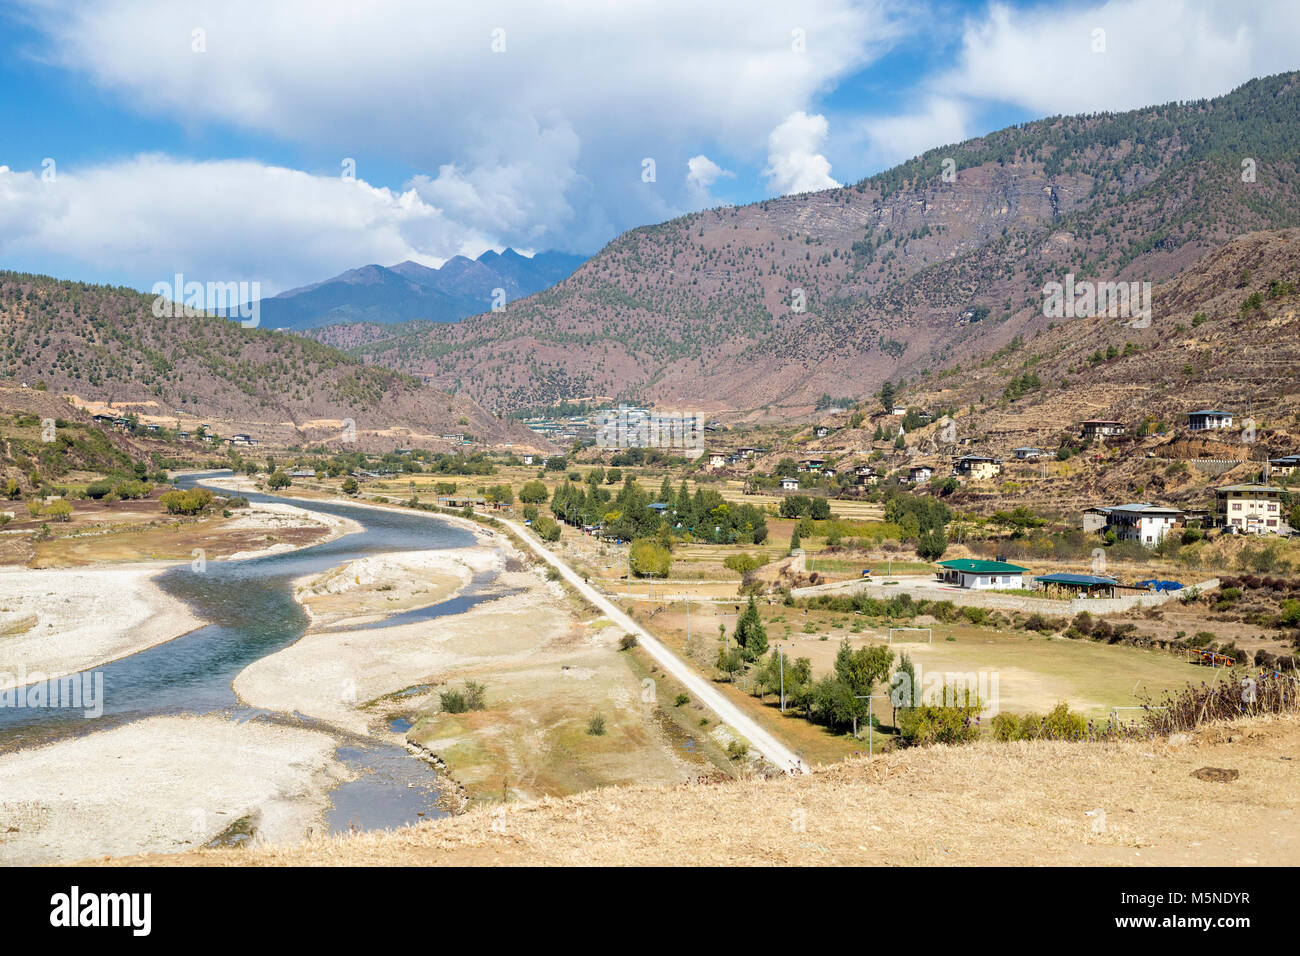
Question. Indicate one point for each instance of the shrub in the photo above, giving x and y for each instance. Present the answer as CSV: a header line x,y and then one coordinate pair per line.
x,y
475,695
596,725
453,702
742,564
681,700
932,724
650,559
627,642
547,529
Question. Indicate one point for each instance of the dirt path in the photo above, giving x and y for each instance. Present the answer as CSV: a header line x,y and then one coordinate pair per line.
x,y
762,741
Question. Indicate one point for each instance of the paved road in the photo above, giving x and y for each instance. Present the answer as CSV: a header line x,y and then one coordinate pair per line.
x,y
762,741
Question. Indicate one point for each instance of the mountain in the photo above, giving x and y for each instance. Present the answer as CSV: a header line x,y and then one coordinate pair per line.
x,y
1224,334
102,344
460,287
912,270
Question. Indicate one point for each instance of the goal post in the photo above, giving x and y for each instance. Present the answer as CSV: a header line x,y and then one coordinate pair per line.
x,y
912,635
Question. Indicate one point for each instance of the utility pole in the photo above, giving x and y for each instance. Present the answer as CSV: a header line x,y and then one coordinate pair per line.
x,y
780,658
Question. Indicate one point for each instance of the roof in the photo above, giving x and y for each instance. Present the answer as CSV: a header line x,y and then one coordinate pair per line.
x,y
1265,488
973,566
1208,411
1101,421
1143,508
1026,448
1288,459
1084,580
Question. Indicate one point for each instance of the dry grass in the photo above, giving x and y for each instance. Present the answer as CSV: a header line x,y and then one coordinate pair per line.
x,y
999,804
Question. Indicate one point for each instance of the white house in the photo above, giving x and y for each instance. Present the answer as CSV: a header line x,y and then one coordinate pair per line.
x,y
982,575
1207,419
789,484
1144,523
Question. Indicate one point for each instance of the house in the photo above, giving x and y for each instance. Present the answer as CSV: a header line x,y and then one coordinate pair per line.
x,y
1251,509
865,475
241,439
717,460
302,473
822,431
1028,454
1207,419
748,452
1287,465
1095,428
1144,523
811,464
1094,519
789,484
977,467
528,459
829,472
982,575
182,435
1087,585
919,474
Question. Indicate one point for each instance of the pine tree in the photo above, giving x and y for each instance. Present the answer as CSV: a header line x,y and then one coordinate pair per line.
x,y
750,634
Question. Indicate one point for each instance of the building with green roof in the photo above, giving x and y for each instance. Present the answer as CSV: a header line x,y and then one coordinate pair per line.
x,y
977,575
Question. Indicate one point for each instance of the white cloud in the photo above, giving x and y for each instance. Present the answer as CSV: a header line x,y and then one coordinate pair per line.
x,y
794,161
1154,51
895,139
233,220
512,140
702,172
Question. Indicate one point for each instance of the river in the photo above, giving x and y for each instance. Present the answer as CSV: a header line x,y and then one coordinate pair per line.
x,y
253,614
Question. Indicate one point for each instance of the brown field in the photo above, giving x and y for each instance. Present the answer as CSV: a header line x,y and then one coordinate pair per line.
x,y
1133,803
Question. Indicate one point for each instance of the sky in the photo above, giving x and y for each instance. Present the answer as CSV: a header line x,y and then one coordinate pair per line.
x,y
284,142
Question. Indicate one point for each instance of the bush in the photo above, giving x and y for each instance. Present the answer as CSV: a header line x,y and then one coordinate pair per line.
x,y
650,559
931,724
596,726
547,529
627,642
189,502
453,702
475,695
681,700
742,564
98,489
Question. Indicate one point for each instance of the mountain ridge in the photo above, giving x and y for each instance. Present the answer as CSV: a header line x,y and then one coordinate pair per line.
x,y
701,309
409,290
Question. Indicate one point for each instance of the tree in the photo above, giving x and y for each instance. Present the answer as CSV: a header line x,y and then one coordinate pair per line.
x,y
931,545
860,669
650,559
278,480
794,539
533,493
60,510
499,494
750,634
350,485
730,661
546,529
887,397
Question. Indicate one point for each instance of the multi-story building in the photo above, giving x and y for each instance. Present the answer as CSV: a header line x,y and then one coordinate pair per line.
x,y
1251,509
1144,523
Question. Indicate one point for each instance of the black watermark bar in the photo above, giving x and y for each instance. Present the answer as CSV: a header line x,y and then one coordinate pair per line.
x,y
300,905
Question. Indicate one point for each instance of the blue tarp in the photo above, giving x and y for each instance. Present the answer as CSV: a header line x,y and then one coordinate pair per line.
x,y
1158,585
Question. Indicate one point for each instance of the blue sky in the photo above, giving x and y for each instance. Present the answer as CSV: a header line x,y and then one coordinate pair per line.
x,y
209,138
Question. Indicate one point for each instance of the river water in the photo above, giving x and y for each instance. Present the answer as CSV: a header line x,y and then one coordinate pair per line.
x,y
253,613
